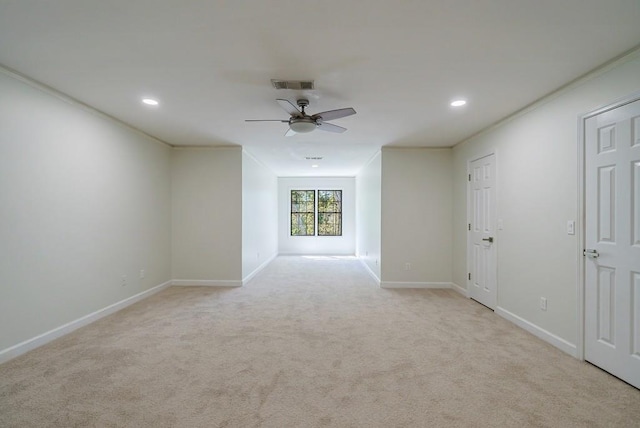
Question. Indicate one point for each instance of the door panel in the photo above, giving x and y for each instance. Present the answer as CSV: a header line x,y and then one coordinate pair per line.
x,y
635,302
606,203
606,305
635,195
612,237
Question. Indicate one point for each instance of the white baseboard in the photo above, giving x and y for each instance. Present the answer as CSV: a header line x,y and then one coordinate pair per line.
x,y
312,254
35,342
459,289
372,273
392,284
258,269
206,283
539,332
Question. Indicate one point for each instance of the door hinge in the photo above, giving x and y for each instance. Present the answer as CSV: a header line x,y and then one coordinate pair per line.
x,y
469,226
469,177
469,276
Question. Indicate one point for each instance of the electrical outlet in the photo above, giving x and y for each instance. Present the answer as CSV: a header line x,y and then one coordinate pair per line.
x,y
543,303
142,273
123,281
407,266
376,262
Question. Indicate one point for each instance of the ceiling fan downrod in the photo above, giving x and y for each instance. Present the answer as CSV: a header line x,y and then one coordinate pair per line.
x,y
302,103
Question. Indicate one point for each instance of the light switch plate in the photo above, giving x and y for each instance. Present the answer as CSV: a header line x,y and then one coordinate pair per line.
x,y
571,227
500,224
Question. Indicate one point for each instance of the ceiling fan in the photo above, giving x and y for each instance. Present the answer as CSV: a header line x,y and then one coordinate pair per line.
x,y
300,122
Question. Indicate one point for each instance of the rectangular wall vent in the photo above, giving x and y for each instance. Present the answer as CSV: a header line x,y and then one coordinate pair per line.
x,y
293,84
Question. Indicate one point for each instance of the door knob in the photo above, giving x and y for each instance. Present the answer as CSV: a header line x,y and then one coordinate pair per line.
x,y
489,239
591,253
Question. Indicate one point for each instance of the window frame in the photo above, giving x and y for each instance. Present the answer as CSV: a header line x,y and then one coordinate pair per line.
x,y
336,213
316,212
312,213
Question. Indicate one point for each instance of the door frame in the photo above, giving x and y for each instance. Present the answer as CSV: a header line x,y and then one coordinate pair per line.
x,y
581,227
469,255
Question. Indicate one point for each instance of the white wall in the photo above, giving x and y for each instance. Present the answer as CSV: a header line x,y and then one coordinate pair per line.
x,y
368,211
83,201
207,216
259,215
416,216
345,244
537,191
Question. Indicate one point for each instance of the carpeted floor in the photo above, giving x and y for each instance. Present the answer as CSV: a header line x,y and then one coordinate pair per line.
x,y
310,342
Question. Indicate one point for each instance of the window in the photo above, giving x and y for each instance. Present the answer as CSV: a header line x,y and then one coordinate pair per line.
x,y
328,210
303,212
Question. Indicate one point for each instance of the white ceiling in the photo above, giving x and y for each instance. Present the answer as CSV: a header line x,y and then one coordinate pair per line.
x,y
398,63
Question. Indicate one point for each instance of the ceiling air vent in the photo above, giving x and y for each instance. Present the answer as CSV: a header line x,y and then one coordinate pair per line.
x,y
299,85
313,157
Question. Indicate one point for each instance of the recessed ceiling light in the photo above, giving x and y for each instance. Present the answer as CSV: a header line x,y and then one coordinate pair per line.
x,y
458,103
314,166
150,101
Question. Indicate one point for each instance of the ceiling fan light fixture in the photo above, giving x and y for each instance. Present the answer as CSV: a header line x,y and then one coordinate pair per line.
x,y
150,101
458,103
302,126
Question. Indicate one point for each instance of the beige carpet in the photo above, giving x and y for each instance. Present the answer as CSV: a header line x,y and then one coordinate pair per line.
x,y
308,343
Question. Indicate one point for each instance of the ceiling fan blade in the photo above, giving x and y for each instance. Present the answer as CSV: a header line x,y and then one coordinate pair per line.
x,y
289,107
290,133
331,127
334,114
266,120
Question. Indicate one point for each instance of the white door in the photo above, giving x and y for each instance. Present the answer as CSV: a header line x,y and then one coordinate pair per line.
x,y
612,238
482,280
